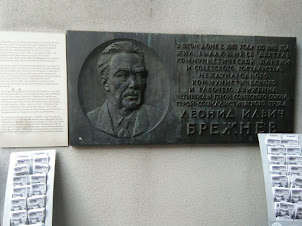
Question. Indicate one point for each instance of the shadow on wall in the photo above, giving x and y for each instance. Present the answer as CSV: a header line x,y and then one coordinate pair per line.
x,y
59,215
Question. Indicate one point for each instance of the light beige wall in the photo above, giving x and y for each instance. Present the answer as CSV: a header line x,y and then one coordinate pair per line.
x,y
158,185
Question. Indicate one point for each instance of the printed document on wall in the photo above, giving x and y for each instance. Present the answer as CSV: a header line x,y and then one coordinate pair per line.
x,y
33,89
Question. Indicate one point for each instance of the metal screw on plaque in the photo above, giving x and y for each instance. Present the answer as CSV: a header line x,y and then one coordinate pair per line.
x,y
80,138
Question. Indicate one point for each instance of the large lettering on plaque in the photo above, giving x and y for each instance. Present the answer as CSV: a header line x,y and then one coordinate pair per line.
x,y
136,88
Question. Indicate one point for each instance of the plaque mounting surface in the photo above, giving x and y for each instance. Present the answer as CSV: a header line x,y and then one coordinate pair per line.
x,y
138,88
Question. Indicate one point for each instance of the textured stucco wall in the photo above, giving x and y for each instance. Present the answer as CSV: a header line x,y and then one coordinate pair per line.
x,y
158,185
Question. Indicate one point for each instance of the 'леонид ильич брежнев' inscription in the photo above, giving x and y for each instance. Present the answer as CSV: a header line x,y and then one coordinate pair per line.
x,y
132,88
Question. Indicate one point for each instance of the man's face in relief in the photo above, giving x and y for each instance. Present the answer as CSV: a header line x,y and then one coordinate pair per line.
x,y
126,81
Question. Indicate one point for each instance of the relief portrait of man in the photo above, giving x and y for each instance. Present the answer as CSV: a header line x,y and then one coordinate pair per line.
x,y
122,74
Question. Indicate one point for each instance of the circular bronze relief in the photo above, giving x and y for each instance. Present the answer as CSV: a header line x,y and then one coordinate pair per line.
x,y
123,88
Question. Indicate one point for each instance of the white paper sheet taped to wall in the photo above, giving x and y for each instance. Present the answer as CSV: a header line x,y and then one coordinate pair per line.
x,y
33,89
282,167
29,196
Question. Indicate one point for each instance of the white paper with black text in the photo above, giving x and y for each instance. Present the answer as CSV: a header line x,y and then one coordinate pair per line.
x,y
33,89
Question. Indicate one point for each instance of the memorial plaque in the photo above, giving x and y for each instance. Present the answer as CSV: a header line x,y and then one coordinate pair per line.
x,y
136,88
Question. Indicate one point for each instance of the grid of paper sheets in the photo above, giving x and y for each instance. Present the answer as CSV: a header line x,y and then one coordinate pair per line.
x,y
28,188
285,163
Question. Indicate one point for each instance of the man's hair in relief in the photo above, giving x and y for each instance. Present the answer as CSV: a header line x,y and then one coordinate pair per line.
x,y
109,51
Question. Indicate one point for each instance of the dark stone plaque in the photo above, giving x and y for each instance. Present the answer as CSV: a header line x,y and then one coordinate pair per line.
x,y
136,88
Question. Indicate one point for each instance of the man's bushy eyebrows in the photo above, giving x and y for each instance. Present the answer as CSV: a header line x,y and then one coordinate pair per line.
x,y
116,47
